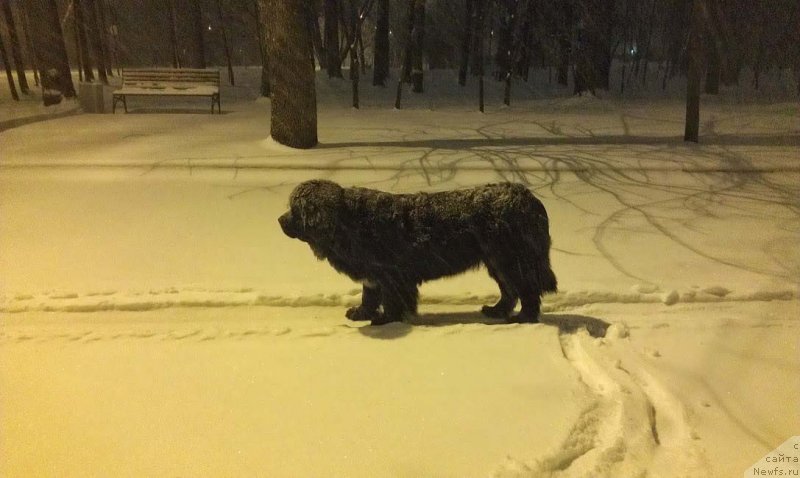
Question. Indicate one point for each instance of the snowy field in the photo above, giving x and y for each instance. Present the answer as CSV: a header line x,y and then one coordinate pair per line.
x,y
155,321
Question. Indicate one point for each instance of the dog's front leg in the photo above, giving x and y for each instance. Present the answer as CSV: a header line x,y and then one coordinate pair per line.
x,y
370,301
399,297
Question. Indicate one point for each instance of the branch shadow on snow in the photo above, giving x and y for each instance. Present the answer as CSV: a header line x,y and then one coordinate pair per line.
x,y
718,182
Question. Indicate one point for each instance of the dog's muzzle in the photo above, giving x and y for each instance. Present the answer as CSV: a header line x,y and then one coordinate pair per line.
x,y
287,224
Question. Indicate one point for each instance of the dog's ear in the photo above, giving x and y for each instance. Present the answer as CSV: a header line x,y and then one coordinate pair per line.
x,y
317,206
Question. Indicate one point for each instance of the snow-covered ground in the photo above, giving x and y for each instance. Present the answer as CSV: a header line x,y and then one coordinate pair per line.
x,y
155,321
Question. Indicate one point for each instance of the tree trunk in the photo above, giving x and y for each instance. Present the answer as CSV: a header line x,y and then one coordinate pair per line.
x,y
466,41
418,37
261,29
479,17
334,61
316,35
649,42
16,52
713,71
102,28
93,27
173,35
565,43
50,48
381,53
294,103
198,50
225,45
9,75
83,41
694,72
405,73
29,43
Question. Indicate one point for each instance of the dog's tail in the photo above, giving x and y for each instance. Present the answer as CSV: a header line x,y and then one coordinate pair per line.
x,y
547,278
539,238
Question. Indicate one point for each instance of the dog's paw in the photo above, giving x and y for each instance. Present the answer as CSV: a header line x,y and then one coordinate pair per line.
x,y
494,312
361,314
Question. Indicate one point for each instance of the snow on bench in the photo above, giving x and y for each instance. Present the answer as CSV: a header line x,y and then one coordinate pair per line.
x,y
168,82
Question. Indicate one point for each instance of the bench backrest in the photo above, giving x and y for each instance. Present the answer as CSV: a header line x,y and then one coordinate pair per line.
x,y
186,77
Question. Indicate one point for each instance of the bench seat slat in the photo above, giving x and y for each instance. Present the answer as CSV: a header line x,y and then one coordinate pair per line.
x,y
168,91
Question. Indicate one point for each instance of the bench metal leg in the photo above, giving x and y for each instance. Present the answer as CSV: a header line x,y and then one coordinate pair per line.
x,y
117,98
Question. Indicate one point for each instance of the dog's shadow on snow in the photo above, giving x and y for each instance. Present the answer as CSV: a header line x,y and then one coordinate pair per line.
x,y
566,323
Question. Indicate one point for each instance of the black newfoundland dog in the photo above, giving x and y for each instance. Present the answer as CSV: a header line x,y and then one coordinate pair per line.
x,y
391,243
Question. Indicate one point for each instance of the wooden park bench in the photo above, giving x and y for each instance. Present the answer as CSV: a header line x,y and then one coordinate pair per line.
x,y
168,82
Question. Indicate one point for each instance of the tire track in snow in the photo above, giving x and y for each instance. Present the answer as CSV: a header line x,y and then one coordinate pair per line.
x,y
632,427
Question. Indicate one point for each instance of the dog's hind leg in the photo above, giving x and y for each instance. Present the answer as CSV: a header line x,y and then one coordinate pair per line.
x,y
370,302
531,305
508,297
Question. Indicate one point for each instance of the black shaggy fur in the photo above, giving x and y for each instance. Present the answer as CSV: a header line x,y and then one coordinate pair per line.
x,y
392,243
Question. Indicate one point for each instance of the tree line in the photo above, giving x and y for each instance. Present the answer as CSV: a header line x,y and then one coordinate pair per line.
x,y
710,42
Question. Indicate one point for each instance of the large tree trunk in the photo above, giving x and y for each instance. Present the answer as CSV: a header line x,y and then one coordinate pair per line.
x,y
16,52
334,61
694,72
198,50
294,102
51,50
381,58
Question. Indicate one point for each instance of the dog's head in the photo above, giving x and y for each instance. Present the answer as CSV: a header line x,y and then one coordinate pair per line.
x,y
313,210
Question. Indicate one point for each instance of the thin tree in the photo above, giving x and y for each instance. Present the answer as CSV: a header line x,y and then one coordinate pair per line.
x,y
225,45
417,41
198,59
694,72
262,17
105,36
353,37
405,73
316,33
16,52
83,42
9,75
294,102
479,23
29,43
96,40
466,41
173,34
334,62
565,42
381,51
